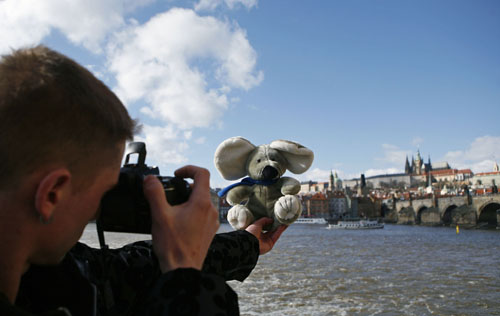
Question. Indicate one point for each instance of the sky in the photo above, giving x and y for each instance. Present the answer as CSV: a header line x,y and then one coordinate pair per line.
x,y
362,83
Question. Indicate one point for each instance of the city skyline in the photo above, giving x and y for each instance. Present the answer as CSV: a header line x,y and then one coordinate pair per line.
x,y
438,170
362,84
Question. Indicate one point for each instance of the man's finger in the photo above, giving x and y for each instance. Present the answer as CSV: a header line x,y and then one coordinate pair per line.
x,y
155,194
275,235
263,221
256,227
201,177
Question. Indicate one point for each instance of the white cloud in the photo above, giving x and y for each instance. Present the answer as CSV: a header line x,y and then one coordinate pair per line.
x,y
19,25
83,22
188,134
453,155
200,140
480,166
98,71
157,62
165,144
210,5
479,156
315,174
393,154
482,148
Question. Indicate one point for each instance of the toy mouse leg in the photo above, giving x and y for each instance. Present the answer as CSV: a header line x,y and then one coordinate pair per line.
x,y
287,209
240,217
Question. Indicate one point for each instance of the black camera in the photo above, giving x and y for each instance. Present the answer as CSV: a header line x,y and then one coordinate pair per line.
x,y
125,208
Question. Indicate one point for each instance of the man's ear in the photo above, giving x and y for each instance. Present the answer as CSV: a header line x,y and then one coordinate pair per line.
x,y
50,191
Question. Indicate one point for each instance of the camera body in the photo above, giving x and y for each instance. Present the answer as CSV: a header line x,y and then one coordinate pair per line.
x,y
125,208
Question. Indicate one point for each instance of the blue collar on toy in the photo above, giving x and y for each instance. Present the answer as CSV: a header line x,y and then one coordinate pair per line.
x,y
246,181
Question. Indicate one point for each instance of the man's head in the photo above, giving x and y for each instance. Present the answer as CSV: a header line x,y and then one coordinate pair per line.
x,y
52,110
62,134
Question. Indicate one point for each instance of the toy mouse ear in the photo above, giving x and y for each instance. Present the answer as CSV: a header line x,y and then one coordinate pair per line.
x,y
231,157
299,157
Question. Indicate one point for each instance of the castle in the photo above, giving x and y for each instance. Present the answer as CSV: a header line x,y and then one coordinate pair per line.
x,y
418,167
416,174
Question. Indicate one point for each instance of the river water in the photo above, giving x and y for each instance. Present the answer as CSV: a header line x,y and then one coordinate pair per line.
x,y
398,270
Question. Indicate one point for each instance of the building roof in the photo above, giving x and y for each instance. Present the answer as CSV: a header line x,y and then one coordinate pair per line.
x,y
318,196
488,173
440,165
447,172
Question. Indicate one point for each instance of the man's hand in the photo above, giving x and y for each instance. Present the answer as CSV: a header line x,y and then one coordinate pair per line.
x,y
267,239
182,234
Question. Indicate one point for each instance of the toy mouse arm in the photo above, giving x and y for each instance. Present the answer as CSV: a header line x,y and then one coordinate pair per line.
x,y
289,185
238,194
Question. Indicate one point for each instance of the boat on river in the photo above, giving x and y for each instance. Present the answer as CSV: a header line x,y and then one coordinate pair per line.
x,y
356,224
311,220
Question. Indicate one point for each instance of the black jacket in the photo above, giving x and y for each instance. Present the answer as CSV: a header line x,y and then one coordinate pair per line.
x,y
128,281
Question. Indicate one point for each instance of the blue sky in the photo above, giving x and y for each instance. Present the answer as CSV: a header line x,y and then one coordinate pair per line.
x,y
361,83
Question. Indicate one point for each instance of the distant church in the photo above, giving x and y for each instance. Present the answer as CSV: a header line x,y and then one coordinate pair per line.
x,y
418,167
334,183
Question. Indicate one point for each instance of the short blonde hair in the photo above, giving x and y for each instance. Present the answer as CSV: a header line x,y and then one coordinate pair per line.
x,y
54,110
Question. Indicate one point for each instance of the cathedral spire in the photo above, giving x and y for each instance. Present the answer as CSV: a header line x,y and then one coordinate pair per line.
x,y
418,155
407,166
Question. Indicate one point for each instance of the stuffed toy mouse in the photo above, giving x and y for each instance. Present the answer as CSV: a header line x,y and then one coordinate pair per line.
x,y
264,193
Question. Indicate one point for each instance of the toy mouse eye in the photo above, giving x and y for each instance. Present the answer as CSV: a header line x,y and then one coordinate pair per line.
x,y
258,160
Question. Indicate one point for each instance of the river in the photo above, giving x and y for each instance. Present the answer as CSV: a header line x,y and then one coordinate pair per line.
x,y
398,270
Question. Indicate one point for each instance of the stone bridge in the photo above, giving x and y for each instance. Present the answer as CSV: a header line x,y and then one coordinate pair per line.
x,y
468,211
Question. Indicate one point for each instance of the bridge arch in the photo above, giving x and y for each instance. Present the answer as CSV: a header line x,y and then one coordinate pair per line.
x,y
488,214
418,219
447,218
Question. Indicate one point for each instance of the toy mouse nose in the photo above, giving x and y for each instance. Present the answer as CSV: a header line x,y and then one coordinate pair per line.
x,y
269,173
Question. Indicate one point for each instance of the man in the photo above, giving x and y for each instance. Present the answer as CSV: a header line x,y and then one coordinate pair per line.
x,y
62,137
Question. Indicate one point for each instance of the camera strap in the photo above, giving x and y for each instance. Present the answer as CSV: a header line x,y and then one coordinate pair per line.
x,y
100,234
109,301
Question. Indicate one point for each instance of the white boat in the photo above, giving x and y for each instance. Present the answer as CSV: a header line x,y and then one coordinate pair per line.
x,y
311,220
359,224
